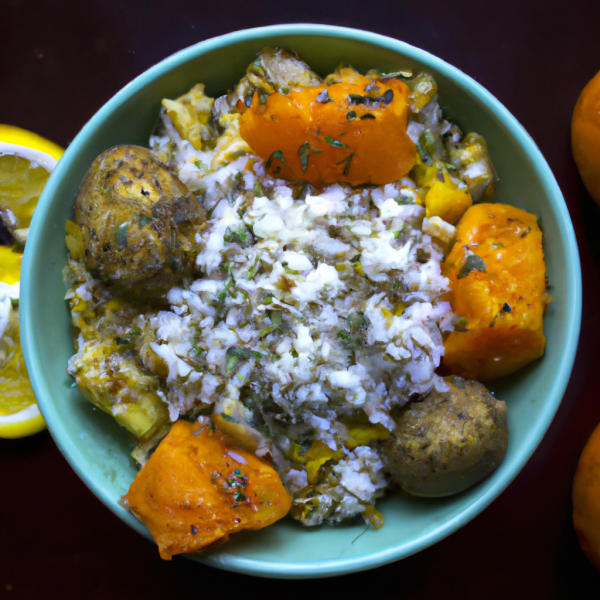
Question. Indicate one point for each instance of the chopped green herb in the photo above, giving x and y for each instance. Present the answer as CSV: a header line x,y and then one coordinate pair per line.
x,y
211,426
317,151
358,321
262,97
461,325
347,160
303,153
367,116
450,166
258,189
14,302
243,236
402,75
276,321
229,418
219,303
200,165
121,236
425,147
335,143
248,98
473,263
276,170
350,340
358,99
144,221
252,271
351,115
239,497
506,308
238,176
237,355
277,154
397,234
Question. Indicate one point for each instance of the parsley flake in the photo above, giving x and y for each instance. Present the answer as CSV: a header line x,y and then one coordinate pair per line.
x,y
347,160
473,263
303,153
335,143
277,154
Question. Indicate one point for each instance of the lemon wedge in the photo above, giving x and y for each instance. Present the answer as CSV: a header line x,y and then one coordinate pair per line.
x,y
26,161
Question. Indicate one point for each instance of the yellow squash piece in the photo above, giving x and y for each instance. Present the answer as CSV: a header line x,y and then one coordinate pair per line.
x,y
190,114
194,490
446,200
497,280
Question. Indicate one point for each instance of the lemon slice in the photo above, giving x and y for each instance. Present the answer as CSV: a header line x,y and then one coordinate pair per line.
x,y
26,161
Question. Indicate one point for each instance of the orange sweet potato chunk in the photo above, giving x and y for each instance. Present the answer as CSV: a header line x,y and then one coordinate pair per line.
x,y
194,490
498,281
330,133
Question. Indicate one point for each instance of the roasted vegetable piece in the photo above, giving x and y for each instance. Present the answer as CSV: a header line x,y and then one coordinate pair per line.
x,y
472,159
353,130
137,221
446,200
193,491
190,114
498,283
112,380
273,70
447,441
586,499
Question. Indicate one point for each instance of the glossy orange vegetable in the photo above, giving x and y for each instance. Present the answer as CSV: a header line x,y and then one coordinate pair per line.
x,y
586,499
194,490
498,286
585,136
346,131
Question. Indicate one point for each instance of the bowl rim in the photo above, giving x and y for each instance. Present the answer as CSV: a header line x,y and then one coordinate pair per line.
x,y
34,357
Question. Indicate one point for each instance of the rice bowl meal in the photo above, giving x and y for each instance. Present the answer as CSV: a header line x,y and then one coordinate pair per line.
x,y
292,299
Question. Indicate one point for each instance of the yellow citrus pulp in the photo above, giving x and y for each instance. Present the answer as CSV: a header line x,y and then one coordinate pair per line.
x,y
26,161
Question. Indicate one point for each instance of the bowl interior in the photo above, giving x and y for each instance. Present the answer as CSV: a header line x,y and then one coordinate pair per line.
x,y
99,450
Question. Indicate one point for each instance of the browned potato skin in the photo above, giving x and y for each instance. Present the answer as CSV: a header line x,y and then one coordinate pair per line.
x,y
137,221
448,441
181,493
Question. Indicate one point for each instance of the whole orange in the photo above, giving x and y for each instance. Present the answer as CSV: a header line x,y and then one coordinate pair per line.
x,y
586,499
585,136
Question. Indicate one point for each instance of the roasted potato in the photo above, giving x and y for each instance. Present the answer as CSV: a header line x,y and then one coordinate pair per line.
x,y
194,490
498,287
137,222
447,441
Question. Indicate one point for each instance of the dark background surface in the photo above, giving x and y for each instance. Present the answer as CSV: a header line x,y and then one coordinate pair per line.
x,y
61,61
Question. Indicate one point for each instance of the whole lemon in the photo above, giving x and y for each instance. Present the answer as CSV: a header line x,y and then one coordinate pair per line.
x,y
586,499
585,136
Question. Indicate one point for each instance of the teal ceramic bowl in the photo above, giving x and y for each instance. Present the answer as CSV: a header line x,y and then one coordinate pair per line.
x,y
99,450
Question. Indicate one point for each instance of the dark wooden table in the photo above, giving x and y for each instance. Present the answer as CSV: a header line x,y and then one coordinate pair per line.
x,y
61,60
